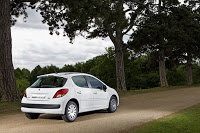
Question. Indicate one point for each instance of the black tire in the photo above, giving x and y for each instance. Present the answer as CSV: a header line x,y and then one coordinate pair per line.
x,y
73,108
32,115
112,104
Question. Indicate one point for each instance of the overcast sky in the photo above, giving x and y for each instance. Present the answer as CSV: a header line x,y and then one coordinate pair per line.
x,y
33,45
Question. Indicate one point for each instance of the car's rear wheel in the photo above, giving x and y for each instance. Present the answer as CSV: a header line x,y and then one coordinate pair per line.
x,y
71,112
32,115
112,105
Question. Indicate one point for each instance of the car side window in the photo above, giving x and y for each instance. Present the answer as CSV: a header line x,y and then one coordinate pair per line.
x,y
94,82
80,81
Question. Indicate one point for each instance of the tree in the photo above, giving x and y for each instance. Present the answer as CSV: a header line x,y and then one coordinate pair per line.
x,y
26,73
94,18
187,42
18,73
154,34
34,73
67,68
8,88
155,29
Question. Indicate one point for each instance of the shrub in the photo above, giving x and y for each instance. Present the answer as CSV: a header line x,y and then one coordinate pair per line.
x,y
177,76
22,84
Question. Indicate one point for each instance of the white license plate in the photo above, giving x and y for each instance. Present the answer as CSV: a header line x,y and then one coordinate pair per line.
x,y
39,96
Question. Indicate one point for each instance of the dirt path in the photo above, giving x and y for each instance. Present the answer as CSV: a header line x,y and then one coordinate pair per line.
x,y
133,111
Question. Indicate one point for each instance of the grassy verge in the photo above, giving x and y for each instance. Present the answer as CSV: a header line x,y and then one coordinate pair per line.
x,y
9,107
156,89
185,121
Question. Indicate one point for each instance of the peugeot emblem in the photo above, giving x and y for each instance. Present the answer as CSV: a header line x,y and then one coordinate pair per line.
x,y
39,89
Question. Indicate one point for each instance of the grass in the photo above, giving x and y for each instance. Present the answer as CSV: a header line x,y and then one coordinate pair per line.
x,y
9,107
185,121
156,89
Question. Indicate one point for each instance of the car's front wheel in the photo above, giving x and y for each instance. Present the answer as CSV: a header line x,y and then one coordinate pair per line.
x,y
71,112
32,115
112,104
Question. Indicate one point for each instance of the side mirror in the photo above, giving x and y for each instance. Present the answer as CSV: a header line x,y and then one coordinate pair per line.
x,y
104,87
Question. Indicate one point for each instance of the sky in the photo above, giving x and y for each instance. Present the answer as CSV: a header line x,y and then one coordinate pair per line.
x,y
32,45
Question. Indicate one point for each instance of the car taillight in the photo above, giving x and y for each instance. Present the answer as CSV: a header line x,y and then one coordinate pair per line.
x,y
60,93
25,94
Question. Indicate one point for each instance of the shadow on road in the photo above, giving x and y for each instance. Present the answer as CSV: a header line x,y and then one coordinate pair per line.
x,y
81,117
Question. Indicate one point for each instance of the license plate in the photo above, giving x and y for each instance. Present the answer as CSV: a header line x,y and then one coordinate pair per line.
x,y
39,96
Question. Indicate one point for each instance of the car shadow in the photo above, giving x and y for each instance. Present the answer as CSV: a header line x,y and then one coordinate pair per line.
x,y
81,116
51,117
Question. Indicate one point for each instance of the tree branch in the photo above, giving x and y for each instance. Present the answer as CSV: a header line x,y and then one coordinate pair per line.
x,y
140,3
131,24
129,28
110,32
32,1
127,10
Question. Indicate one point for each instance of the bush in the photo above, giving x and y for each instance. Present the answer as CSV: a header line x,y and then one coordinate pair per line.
x,y
196,73
177,76
22,84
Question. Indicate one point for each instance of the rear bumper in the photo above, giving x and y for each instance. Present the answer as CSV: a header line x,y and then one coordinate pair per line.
x,y
41,106
42,111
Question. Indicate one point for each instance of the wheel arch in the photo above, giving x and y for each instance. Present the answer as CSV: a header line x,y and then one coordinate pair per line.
x,y
74,100
115,97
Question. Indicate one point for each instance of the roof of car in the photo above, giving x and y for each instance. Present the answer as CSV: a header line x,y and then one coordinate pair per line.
x,y
60,74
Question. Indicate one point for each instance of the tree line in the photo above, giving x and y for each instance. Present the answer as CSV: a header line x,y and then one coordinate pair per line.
x,y
141,72
167,29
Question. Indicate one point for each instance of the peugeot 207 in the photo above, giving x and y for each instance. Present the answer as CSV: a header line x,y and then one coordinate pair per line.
x,y
68,94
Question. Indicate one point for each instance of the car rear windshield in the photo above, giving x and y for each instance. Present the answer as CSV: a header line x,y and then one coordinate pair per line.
x,y
49,82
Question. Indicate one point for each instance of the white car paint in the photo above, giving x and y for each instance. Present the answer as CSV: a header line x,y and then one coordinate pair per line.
x,y
89,99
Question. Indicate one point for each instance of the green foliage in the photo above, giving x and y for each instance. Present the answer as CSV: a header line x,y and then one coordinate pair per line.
x,y
34,74
140,75
196,72
186,121
177,75
22,84
22,79
67,68
185,32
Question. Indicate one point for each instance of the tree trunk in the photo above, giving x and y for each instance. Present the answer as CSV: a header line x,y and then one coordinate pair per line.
x,y
189,70
119,57
8,88
163,79
118,43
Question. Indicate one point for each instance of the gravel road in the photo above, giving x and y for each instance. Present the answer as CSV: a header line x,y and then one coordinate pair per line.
x,y
134,110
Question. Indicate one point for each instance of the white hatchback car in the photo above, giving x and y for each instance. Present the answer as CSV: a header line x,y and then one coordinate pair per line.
x,y
68,94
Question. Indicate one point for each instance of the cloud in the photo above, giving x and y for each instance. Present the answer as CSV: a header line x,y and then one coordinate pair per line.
x,y
33,47
34,21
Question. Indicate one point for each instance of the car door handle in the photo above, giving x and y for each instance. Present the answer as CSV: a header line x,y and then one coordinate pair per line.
x,y
95,92
79,92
